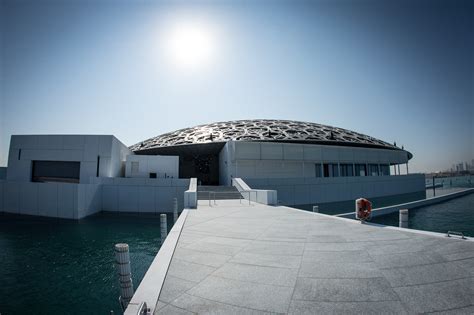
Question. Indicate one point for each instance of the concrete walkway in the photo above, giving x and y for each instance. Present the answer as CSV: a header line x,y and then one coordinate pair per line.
x,y
239,259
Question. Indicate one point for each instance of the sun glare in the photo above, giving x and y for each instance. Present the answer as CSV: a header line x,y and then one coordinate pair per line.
x,y
190,45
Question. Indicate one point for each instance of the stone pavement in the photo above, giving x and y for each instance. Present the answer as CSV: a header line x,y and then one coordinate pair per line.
x,y
234,258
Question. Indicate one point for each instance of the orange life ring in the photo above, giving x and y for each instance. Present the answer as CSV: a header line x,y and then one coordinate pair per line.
x,y
364,208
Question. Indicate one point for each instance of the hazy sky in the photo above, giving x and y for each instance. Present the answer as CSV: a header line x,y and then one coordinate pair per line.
x,y
395,70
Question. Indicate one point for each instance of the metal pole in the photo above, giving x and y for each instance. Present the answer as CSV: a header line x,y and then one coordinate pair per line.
x,y
210,199
122,264
398,169
403,218
215,198
163,227
434,189
316,209
407,168
175,210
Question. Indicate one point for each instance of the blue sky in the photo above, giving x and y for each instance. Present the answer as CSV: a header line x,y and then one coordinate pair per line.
x,y
398,71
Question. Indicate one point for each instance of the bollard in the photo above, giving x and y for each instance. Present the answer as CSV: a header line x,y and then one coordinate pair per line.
x,y
122,263
175,210
163,227
316,209
403,218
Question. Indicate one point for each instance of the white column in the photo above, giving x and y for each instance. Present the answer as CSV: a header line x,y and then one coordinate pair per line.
x,y
403,218
163,227
122,264
175,210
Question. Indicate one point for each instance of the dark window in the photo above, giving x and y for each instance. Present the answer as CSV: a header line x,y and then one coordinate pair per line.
x,y
55,171
385,170
347,170
326,169
360,170
335,170
373,169
317,168
98,164
152,175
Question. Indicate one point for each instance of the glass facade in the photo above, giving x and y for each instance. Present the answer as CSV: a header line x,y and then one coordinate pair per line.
x,y
360,170
384,170
373,169
347,170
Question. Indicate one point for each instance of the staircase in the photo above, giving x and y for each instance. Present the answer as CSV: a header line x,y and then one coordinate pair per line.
x,y
217,193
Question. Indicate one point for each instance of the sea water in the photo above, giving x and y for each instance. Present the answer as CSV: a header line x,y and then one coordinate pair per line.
x,y
51,266
452,215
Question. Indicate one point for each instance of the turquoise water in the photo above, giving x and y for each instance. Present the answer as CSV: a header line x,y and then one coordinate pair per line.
x,y
452,215
51,266
456,181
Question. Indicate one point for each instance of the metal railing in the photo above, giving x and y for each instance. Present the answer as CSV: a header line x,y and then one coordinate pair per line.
x,y
454,233
212,196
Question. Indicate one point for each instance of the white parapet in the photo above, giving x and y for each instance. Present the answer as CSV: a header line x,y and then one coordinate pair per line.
x,y
263,196
190,195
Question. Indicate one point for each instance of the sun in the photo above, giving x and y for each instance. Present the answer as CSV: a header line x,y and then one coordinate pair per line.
x,y
190,45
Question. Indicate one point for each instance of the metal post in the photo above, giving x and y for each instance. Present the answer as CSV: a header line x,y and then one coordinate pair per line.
x,y
163,227
122,264
434,189
403,218
398,169
407,168
175,210
215,202
210,199
316,209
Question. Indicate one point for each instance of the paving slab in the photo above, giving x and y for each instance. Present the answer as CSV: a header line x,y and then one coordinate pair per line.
x,y
235,258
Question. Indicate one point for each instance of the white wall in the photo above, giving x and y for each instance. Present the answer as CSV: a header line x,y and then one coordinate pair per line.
x,y
298,191
165,166
75,148
289,160
76,201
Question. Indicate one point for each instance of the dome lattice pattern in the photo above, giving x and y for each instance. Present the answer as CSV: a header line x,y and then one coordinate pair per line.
x,y
260,130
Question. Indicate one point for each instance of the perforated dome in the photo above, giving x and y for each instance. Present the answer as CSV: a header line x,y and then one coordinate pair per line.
x,y
261,130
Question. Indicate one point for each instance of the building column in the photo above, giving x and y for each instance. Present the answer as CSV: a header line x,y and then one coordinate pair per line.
x,y
407,167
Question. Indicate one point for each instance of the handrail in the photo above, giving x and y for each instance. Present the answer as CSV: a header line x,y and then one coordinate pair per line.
x,y
454,233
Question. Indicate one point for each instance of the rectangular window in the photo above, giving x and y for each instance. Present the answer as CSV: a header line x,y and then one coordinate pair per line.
x,y
98,164
326,168
373,169
55,171
331,169
360,170
347,170
335,170
317,168
152,175
385,170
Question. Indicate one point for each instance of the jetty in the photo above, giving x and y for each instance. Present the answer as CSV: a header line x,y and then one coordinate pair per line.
x,y
232,256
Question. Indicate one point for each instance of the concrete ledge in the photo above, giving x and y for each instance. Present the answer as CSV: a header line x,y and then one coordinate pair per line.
x,y
395,228
190,195
411,205
150,287
263,196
